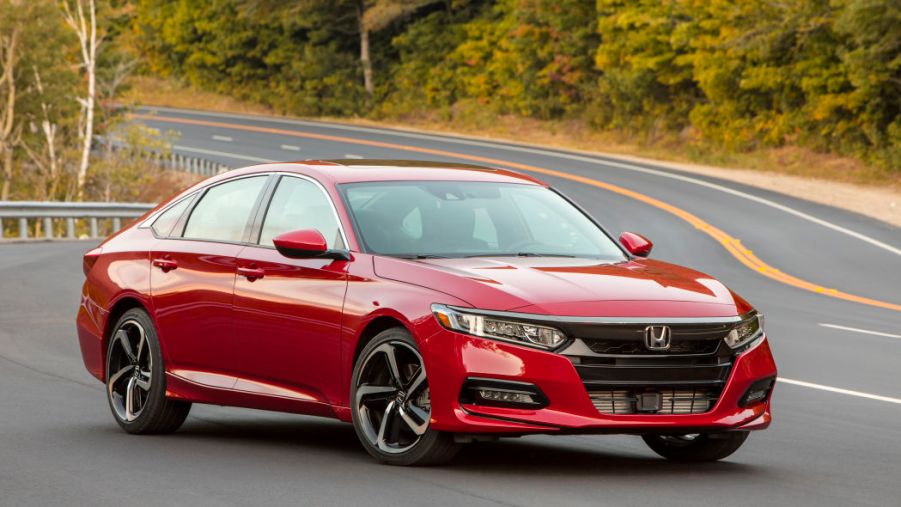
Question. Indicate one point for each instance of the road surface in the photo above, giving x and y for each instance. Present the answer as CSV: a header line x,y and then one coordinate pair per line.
x,y
829,282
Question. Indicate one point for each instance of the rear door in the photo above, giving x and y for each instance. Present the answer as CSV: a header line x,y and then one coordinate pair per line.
x,y
193,275
288,311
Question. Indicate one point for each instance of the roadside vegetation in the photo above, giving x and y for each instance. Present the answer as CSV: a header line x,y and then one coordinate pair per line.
x,y
62,135
809,86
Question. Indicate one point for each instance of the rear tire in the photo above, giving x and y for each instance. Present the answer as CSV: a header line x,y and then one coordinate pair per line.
x,y
696,447
390,404
136,378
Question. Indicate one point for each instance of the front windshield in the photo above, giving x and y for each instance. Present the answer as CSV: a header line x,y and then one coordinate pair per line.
x,y
472,219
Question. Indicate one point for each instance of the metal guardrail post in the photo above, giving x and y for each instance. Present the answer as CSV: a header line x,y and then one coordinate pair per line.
x,y
23,228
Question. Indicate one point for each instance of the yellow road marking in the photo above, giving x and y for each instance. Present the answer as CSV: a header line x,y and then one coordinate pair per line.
x,y
731,244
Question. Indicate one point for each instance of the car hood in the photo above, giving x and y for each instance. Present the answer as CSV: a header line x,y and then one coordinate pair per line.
x,y
574,287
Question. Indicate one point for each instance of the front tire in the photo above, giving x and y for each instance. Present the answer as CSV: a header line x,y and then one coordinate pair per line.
x,y
696,447
136,378
390,403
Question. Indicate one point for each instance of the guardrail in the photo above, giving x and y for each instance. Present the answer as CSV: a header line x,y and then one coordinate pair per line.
x,y
173,161
70,220
193,165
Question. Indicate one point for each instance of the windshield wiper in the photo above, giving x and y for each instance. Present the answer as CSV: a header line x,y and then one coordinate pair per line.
x,y
419,256
519,254
536,254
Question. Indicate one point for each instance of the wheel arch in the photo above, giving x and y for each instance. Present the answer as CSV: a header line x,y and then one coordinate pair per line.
x,y
372,328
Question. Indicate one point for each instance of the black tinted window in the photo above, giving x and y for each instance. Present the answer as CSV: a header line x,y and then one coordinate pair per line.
x,y
223,211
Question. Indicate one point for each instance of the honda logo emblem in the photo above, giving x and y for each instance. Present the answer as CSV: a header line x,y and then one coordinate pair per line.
x,y
657,337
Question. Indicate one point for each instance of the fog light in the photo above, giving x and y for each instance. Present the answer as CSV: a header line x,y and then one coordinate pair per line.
x,y
506,396
502,393
758,392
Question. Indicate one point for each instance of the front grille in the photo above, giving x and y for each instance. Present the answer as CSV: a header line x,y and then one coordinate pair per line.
x,y
672,401
637,348
622,376
672,371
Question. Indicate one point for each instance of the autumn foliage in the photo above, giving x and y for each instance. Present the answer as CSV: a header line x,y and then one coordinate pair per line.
x,y
738,75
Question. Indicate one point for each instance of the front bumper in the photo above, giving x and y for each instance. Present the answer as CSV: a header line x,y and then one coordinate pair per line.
x,y
451,358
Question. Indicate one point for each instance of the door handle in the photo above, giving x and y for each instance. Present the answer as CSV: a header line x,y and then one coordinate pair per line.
x,y
251,272
165,264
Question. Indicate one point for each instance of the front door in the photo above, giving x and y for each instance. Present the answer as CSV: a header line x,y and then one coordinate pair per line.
x,y
288,311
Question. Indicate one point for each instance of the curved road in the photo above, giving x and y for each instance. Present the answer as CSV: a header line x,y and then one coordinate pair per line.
x,y
829,282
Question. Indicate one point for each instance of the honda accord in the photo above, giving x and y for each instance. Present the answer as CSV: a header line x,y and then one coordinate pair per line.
x,y
428,304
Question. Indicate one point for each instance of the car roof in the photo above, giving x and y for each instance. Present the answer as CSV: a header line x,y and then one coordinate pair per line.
x,y
368,170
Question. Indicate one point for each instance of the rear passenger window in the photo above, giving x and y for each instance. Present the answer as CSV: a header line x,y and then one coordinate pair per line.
x,y
164,223
300,204
223,211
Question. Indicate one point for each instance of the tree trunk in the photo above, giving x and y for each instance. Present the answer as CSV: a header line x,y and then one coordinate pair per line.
x,y
365,59
88,133
7,173
8,118
86,30
90,65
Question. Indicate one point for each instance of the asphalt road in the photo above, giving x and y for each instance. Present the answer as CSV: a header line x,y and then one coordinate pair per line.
x,y
836,439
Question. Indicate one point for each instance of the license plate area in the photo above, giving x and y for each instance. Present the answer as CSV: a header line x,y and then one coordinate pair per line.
x,y
648,402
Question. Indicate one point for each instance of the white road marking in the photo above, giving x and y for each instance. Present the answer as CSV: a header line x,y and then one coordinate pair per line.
x,y
238,156
838,390
290,147
858,330
351,155
466,140
223,138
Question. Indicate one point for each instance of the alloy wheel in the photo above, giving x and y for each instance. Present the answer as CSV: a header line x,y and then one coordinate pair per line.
x,y
129,371
392,397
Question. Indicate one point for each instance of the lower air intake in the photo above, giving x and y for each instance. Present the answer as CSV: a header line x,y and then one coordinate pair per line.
x,y
665,401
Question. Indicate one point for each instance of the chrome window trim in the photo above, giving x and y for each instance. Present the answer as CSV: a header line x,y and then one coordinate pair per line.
x,y
535,317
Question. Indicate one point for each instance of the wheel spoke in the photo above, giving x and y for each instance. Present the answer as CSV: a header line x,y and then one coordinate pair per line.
x,y
141,342
421,414
380,438
143,379
417,382
406,413
130,398
395,426
374,392
122,337
116,376
391,355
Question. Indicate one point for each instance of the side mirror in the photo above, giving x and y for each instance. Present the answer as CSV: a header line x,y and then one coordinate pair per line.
x,y
636,244
306,244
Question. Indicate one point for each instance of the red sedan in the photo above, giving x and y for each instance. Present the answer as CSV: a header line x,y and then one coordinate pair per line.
x,y
430,304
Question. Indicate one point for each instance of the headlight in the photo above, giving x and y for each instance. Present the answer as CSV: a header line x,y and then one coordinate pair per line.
x,y
497,329
745,332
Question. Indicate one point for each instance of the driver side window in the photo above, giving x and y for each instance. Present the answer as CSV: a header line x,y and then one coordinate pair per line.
x,y
300,204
